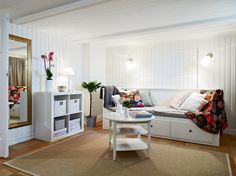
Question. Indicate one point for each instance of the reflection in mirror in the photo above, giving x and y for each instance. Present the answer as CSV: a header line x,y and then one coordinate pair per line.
x,y
19,73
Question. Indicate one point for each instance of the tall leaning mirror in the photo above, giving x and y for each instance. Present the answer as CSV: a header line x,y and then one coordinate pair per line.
x,y
19,74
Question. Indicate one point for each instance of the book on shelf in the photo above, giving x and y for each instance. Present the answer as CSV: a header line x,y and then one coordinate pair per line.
x,y
140,114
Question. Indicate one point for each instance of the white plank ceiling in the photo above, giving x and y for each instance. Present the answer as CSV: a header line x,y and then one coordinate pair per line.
x,y
120,17
19,8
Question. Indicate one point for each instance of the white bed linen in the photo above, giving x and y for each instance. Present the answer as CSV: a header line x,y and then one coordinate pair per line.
x,y
164,109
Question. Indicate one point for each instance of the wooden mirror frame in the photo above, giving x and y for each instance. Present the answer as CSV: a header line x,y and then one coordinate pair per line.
x,y
29,81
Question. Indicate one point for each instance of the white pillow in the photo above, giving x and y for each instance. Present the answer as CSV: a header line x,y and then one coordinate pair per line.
x,y
116,99
193,103
177,101
198,95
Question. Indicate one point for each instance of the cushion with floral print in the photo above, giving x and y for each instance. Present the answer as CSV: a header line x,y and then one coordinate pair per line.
x,y
14,93
134,97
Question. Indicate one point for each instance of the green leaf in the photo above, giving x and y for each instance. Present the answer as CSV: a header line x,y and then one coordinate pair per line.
x,y
91,86
49,74
126,103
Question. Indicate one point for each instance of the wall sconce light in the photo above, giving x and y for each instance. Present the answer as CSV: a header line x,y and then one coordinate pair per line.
x,y
207,60
129,63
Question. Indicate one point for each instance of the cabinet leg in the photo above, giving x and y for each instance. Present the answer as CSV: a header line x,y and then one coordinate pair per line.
x,y
114,140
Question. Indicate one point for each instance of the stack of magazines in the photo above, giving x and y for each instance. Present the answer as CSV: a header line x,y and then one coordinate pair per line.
x,y
140,114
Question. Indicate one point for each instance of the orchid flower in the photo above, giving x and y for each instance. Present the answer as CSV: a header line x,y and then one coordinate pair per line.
x,y
48,58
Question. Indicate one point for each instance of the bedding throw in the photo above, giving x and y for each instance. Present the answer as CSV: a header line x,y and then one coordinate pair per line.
x,y
212,117
107,95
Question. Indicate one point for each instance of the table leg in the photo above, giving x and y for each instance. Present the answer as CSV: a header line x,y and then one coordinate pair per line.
x,y
149,139
114,140
139,135
110,130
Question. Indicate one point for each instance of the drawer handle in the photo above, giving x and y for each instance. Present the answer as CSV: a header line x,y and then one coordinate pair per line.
x,y
190,131
151,126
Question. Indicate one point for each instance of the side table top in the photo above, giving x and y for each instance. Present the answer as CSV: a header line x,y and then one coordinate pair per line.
x,y
117,117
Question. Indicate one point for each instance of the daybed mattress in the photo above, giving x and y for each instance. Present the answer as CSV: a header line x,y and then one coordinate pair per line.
x,y
163,111
159,111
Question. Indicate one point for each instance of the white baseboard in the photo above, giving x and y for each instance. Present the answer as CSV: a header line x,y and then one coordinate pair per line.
x,y
230,131
17,141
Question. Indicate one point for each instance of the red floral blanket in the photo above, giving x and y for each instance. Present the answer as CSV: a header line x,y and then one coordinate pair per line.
x,y
212,118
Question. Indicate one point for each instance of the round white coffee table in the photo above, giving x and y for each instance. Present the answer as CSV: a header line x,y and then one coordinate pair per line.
x,y
130,128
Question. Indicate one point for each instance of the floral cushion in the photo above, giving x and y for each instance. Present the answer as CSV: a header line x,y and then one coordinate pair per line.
x,y
212,117
134,97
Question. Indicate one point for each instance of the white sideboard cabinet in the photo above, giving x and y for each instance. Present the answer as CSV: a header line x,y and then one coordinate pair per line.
x,y
58,114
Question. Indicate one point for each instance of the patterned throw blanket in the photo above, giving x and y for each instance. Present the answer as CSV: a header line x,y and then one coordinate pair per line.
x,y
212,118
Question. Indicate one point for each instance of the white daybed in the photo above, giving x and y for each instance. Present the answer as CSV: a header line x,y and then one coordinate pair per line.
x,y
171,123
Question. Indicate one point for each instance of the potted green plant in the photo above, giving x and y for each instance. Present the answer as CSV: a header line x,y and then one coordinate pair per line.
x,y
91,87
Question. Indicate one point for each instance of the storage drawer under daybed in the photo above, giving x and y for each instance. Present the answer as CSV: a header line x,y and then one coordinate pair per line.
x,y
182,129
160,126
186,129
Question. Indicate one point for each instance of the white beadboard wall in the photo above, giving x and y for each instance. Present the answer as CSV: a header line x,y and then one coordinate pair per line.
x,y
162,66
41,43
174,66
221,73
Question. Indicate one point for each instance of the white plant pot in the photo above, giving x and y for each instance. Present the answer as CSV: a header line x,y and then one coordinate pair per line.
x,y
49,85
126,112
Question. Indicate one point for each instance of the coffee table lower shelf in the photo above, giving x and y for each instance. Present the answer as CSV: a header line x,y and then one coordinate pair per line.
x,y
129,144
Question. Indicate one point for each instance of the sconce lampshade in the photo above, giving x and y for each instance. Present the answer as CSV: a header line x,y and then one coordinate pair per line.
x,y
129,63
207,60
69,71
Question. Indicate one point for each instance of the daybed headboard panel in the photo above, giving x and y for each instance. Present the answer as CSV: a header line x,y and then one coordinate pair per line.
x,y
162,97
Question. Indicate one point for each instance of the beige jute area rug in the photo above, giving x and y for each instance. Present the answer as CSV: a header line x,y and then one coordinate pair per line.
x,y
88,155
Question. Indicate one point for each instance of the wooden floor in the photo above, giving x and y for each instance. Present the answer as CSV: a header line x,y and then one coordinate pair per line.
x,y
228,145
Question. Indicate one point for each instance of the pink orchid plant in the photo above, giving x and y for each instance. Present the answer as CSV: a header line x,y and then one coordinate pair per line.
x,y
48,58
